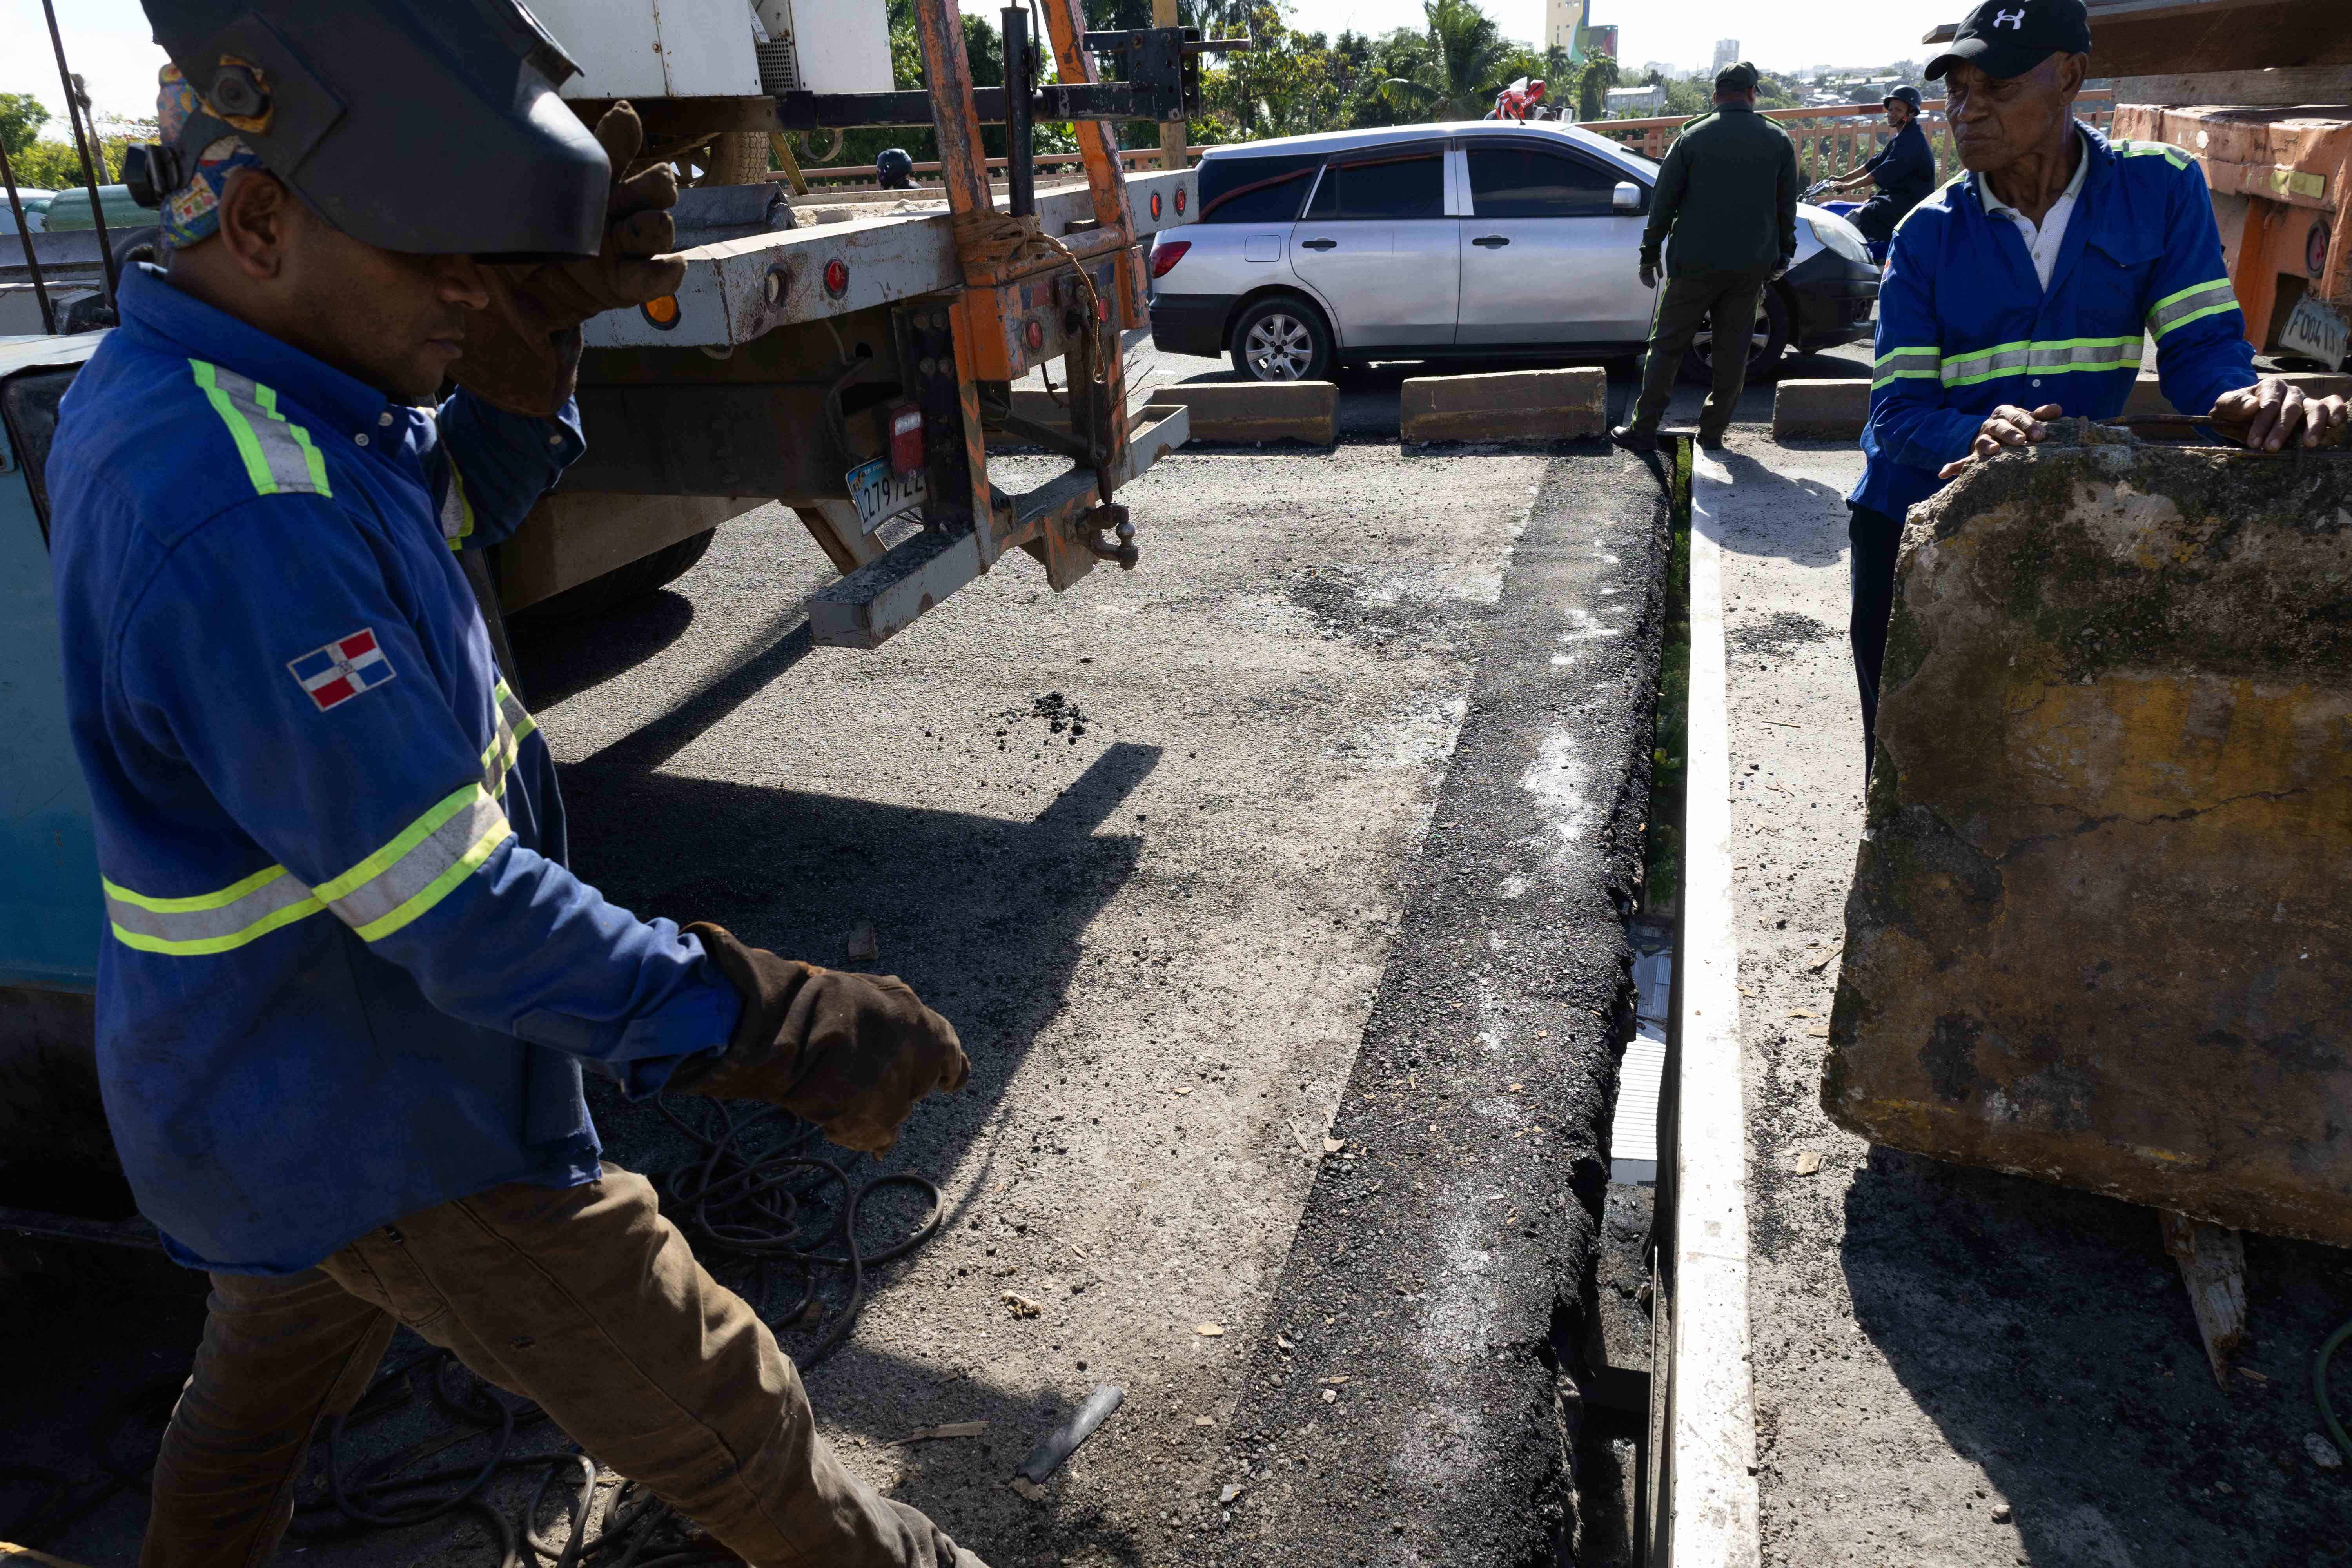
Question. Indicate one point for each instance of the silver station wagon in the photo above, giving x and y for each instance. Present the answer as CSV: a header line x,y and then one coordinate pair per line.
x,y
1479,239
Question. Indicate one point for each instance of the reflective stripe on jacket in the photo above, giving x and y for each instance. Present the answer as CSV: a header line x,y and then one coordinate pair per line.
x,y
349,976
1964,325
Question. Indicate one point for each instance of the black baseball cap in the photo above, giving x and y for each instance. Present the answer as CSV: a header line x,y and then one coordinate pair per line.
x,y
2008,38
1737,77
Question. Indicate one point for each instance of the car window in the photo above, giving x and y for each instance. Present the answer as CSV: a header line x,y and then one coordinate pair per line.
x,y
1525,182
1404,184
1255,190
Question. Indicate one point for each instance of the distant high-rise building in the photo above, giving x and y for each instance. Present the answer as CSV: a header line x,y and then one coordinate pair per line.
x,y
1602,40
1726,52
1561,20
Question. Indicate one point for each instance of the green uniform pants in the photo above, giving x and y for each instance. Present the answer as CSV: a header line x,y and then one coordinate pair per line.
x,y
1684,303
585,1300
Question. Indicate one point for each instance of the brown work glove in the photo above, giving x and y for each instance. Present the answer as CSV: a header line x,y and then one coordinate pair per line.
x,y
523,354
852,1053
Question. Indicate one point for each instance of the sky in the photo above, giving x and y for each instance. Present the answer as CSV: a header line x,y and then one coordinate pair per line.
x,y
107,41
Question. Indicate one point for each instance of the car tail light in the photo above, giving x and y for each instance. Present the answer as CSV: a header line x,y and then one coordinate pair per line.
x,y
1167,254
907,440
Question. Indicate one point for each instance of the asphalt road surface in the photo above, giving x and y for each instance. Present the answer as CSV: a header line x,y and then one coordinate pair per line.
x,y
1223,867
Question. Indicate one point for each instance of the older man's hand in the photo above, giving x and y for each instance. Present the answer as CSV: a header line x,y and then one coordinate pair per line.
x,y
2273,412
2007,426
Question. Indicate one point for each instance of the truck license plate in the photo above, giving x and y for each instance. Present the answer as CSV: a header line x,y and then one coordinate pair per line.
x,y
881,493
2316,332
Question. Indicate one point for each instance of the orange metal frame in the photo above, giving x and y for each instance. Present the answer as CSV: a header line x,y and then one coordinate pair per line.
x,y
1009,320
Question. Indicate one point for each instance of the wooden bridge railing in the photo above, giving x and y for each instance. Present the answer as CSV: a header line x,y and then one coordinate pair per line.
x,y
1834,138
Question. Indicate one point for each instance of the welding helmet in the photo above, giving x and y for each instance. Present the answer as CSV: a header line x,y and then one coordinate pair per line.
x,y
426,126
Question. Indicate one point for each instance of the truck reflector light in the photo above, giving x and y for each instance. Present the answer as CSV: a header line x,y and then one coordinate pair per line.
x,y
1167,254
1155,204
1179,201
836,278
907,440
1034,333
661,312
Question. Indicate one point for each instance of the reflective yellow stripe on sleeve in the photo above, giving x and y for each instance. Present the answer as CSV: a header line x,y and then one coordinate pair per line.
x,y
1904,364
415,871
2191,304
375,898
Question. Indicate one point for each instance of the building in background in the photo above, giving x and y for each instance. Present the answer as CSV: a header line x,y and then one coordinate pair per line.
x,y
1726,52
1636,100
1563,20
1600,40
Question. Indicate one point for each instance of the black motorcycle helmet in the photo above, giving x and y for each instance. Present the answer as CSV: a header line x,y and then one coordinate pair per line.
x,y
1905,94
893,169
426,126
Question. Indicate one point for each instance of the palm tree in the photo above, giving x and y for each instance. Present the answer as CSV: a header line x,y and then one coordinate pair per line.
x,y
1468,64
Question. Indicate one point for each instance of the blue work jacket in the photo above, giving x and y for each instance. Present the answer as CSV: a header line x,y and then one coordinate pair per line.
x,y
1965,326
349,976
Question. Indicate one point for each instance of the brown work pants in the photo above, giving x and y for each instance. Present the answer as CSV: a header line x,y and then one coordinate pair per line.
x,y
585,1301
1686,304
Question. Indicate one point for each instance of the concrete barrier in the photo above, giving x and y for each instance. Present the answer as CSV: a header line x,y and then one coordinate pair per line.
x,y
1820,410
1837,410
1514,405
1225,410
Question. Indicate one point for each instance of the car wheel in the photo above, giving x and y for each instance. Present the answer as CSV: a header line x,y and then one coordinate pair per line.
x,y
1282,338
1764,349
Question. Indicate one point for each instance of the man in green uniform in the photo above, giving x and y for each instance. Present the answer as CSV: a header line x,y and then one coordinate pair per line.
x,y
1728,194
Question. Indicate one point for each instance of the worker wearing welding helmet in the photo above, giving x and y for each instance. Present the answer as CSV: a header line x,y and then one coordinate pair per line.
x,y
2022,291
350,986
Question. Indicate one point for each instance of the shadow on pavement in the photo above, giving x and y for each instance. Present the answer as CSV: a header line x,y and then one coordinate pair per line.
x,y
1768,499
2049,1335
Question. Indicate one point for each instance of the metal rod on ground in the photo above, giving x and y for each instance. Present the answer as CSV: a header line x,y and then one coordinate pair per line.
x,y
1020,172
23,237
82,145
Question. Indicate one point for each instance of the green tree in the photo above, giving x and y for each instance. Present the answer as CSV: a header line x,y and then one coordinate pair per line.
x,y
1469,62
1592,87
55,165
1283,87
21,117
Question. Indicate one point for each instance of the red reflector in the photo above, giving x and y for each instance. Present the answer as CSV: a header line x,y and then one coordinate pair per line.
x,y
907,440
1034,334
1155,204
1167,254
1179,201
836,278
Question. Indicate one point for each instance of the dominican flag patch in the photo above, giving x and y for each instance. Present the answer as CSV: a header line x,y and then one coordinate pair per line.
x,y
342,669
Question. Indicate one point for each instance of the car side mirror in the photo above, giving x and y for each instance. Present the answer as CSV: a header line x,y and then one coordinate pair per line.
x,y
1626,197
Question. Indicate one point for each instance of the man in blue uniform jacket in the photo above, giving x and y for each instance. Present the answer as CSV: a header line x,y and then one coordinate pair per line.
x,y
1903,170
2020,292
351,986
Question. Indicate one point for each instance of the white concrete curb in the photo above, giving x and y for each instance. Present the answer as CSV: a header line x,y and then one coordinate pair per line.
x,y
1715,1520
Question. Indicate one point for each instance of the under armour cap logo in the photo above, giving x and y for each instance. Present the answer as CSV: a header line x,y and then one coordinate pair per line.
x,y
2009,20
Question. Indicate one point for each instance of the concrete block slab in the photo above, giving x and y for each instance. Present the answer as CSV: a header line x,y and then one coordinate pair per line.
x,y
1226,410
2095,934
1837,410
1821,410
1514,405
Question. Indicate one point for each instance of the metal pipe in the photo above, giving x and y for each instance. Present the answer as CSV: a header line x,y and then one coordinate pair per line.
x,y
1020,171
82,145
24,235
